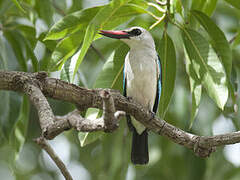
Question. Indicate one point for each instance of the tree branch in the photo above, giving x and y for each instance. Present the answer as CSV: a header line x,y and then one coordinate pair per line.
x,y
44,145
85,98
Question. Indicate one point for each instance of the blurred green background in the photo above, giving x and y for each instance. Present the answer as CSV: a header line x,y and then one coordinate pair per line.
x,y
23,27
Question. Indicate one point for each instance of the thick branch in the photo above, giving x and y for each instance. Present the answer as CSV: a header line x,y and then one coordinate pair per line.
x,y
44,144
86,98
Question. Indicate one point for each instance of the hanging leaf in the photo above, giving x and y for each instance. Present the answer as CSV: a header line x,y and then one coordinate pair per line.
x,y
220,45
195,87
207,66
168,62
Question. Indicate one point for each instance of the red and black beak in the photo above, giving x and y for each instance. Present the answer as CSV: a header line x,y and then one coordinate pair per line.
x,y
115,34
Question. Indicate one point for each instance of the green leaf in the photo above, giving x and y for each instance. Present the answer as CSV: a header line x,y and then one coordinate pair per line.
x,y
198,4
111,75
45,10
20,128
207,66
220,45
4,95
16,41
210,6
72,23
124,14
234,3
168,63
65,49
31,55
195,87
99,21
90,137
219,41
18,5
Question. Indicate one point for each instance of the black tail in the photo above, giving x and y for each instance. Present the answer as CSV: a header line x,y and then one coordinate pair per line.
x,y
139,154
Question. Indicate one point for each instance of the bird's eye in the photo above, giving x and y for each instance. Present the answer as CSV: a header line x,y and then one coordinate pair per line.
x,y
136,32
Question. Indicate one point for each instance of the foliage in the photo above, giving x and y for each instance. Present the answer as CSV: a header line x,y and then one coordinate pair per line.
x,y
198,42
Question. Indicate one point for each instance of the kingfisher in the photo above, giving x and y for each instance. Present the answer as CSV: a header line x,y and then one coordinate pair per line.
x,y
141,82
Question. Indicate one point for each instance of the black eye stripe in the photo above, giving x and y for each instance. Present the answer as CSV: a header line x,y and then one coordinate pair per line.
x,y
135,32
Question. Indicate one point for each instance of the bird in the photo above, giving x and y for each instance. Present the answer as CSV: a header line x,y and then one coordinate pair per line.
x,y
141,82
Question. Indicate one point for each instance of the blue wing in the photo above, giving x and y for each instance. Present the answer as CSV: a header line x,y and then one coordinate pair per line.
x,y
159,87
124,82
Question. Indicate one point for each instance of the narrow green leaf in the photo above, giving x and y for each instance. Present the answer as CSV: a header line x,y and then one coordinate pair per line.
x,y
31,55
111,75
18,5
20,128
168,62
219,41
210,7
65,49
234,3
4,95
88,138
99,21
72,23
195,87
198,4
44,10
124,14
16,41
220,45
207,66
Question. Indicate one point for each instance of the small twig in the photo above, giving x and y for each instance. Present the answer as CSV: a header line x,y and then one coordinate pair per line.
x,y
44,145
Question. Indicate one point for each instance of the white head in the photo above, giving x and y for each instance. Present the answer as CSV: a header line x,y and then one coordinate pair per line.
x,y
134,37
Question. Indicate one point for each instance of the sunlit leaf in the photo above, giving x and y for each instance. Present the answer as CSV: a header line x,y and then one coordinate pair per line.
x,y
207,66
168,62
65,49
99,21
72,23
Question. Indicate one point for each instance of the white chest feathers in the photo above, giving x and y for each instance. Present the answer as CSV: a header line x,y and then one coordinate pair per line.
x,y
141,72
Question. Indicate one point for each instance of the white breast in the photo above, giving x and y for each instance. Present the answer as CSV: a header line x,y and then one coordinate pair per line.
x,y
141,71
